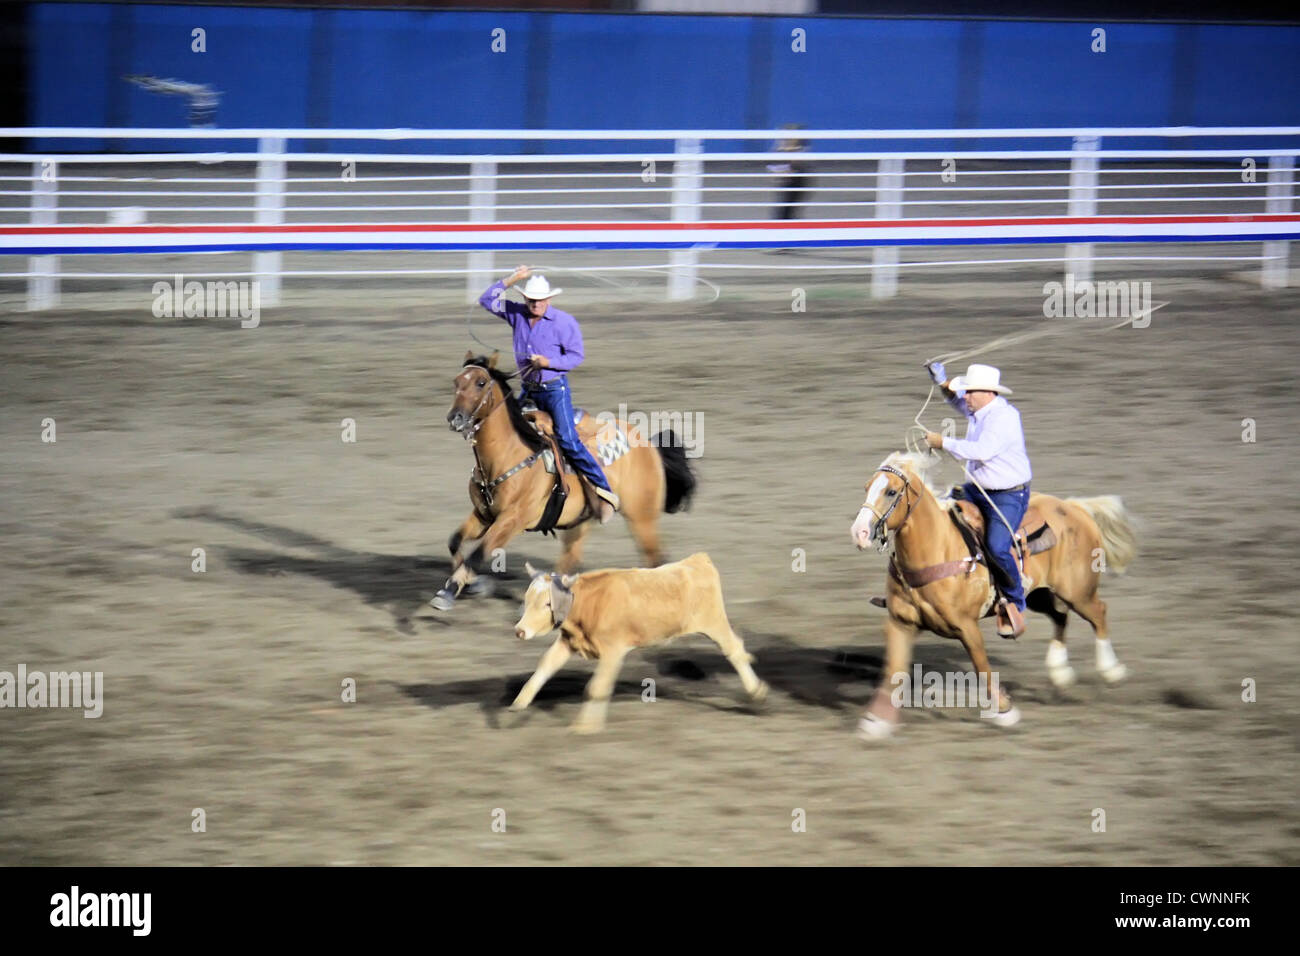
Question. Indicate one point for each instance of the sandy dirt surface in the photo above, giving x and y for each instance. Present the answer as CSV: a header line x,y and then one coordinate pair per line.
x,y
223,688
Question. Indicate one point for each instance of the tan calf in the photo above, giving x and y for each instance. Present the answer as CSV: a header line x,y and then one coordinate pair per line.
x,y
605,614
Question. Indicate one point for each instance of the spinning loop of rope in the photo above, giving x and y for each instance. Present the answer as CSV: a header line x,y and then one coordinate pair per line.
x,y
916,444
595,274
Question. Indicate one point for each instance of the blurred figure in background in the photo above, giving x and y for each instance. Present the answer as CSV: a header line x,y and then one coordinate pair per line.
x,y
792,186
202,97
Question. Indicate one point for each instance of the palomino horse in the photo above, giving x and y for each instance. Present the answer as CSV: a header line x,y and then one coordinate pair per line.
x,y
514,477
935,585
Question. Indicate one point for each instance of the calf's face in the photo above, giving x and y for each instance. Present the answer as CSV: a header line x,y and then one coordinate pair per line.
x,y
536,618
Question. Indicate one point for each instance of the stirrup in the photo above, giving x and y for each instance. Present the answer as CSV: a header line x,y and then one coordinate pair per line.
x,y
1014,625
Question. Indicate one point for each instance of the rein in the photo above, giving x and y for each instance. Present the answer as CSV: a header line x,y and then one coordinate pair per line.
x,y
473,423
920,576
470,431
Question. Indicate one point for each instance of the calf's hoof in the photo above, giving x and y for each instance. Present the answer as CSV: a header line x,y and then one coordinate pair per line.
x,y
586,727
759,693
444,600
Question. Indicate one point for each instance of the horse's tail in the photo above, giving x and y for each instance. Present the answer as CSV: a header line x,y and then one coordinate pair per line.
x,y
1118,536
677,472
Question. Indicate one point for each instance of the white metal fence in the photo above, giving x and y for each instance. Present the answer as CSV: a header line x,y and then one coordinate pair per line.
x,y
921,189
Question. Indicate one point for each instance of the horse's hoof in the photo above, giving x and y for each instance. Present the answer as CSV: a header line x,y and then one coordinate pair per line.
x,y
872,727
443,601
480,587
1007,718
1061,677
1113,675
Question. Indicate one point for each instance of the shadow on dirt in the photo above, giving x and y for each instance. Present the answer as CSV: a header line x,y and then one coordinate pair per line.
x,y
838,679
400,584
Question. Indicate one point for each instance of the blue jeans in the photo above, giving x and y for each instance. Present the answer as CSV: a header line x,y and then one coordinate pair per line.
x,y
553,398
1012,504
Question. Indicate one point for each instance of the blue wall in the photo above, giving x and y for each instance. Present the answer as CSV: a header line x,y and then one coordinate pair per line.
x,y
343,68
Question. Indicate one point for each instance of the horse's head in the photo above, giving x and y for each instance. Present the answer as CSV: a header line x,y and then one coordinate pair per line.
x,y
476,387
892,492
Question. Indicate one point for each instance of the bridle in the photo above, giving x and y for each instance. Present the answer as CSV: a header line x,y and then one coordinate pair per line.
x,y
474,421
882,532
470,428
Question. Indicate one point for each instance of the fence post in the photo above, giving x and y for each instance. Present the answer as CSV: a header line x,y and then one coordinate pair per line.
x,y
482,208
43,284
269,211
889,205
1278,201
1083,202
687,180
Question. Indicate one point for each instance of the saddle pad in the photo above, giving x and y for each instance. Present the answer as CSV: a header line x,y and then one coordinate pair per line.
x,y
610,450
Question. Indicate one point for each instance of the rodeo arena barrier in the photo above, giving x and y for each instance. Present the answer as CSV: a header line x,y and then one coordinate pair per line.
x,y
697,196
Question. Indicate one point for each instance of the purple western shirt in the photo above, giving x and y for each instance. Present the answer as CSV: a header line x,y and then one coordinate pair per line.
x,y
556,335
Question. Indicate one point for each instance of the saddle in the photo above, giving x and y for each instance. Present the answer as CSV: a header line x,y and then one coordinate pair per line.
x,y
586,428
1033,536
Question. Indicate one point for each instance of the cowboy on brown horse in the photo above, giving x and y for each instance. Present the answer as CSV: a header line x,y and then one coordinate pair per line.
x,y
995,456
518,483
548,345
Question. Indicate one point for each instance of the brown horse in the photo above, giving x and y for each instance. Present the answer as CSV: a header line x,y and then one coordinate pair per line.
x,y
935,585
514,477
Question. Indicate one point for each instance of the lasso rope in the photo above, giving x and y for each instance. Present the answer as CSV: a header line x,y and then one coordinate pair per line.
x,y
595,274
1005,341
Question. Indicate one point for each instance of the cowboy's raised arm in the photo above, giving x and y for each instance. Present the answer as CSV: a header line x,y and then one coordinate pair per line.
x,y
955,398
495,301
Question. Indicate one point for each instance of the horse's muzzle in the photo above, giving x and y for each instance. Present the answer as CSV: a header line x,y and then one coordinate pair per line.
x,y
456,421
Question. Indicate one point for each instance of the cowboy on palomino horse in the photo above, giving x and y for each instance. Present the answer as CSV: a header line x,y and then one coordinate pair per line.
x,y
939,573
995,446
548,345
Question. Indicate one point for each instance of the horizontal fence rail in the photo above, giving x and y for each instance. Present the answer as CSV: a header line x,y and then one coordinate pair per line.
x,y
1073,188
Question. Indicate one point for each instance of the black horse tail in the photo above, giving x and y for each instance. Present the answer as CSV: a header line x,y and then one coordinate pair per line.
x,y
677,472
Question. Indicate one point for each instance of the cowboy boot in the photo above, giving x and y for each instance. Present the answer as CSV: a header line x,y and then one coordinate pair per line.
x,y
609,503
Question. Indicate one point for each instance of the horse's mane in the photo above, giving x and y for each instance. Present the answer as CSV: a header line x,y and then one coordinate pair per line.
x,y
918,464
527,433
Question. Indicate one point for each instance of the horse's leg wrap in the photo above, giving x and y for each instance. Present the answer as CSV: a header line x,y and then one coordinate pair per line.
x,y
477,583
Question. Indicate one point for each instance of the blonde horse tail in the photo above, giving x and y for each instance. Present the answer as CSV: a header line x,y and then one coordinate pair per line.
x,y
1118,535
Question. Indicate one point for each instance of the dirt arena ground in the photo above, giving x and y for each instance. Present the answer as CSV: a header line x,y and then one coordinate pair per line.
x,y
222,688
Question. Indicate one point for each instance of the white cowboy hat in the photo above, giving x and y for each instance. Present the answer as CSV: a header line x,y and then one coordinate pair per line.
x,y
538,288
980,378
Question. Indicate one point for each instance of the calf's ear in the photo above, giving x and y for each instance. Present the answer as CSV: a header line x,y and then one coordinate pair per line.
x,y
532,571
567,581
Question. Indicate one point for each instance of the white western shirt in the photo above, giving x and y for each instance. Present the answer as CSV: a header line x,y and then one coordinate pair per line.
x,y
994,446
